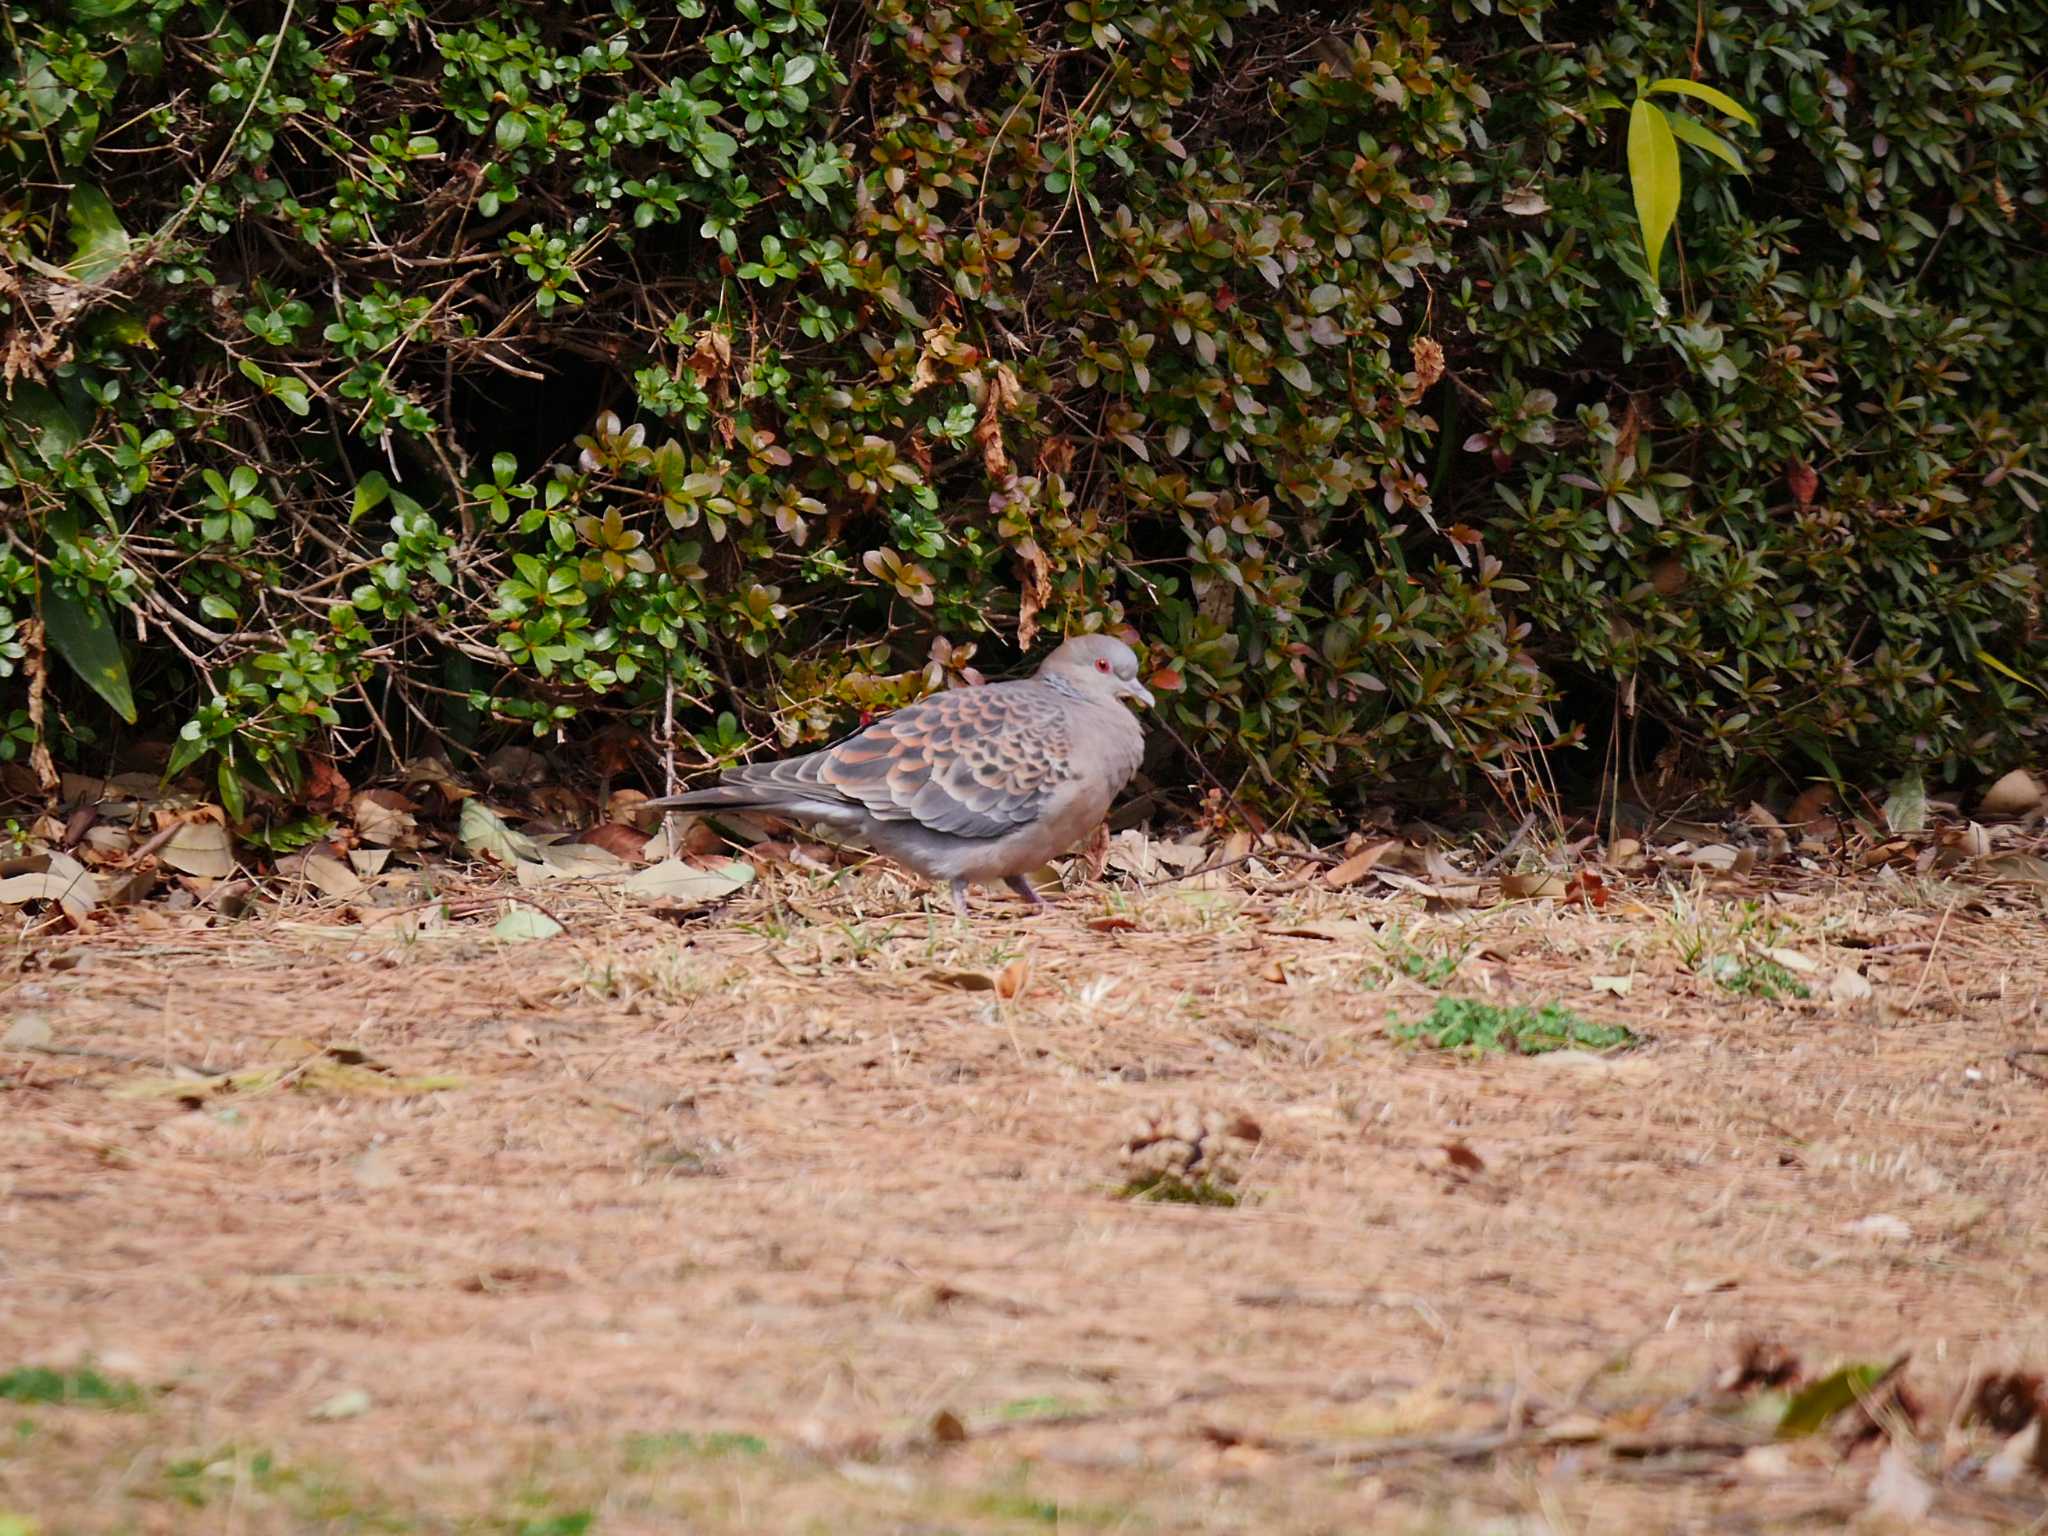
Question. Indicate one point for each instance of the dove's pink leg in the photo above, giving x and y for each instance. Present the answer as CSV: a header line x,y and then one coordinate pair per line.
x,y
960,898
1023,888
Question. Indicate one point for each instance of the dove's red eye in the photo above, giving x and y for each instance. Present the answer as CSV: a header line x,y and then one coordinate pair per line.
x,y
1102,664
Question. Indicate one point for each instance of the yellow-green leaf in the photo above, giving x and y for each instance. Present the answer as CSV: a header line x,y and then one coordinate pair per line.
x,y
1996,665
1706,93
98,241
1818,1403
1705,138
1653,171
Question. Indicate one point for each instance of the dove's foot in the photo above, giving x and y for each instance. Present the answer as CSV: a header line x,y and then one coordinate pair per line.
x,y
960,899
1024,888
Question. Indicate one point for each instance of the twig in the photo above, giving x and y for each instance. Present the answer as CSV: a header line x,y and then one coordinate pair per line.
x,y
1932,950
1528,825
1306,855
2012,1059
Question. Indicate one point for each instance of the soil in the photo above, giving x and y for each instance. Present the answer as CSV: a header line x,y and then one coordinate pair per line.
x,y
814,1213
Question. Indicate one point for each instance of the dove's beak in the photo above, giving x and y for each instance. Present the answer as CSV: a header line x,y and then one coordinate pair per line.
x,y
1133,689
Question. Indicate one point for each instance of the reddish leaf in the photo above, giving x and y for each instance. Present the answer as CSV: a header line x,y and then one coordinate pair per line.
x,y
1802,481
1586,886
616,839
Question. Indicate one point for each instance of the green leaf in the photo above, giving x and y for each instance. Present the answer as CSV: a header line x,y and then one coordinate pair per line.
x,y
1814,1405
1705,138
43,420
1653,171
1906,809
98,241
233,798
1706,93
483,831
81,633
1606,101
523,923
370,492
1996,665
186,750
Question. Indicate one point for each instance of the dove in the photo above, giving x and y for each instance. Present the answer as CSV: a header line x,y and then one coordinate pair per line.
x,y
969,786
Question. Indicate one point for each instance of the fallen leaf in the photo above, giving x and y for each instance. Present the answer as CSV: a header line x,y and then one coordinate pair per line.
x,y
326,874
16,889
1526,202
383,816
1112,922
2015,794
617,839
76,892
29,1032
1587,886
1815,1406
1850,986
675,883
1810,806
2008,1401
1531,887
2028,868
1450,895
1012,979
947,1428
351,1404
1905,809
369,861
965,981
2021,1453
1337,930
1620,986
524,923
1718,857
1897,1492
1767,1462
575,861
1462,1157
483,831
1884,1227
1793,960
204,848
1359,865
375,1170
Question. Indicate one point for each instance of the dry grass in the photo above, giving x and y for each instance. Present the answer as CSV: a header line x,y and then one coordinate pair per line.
x,y
769,1223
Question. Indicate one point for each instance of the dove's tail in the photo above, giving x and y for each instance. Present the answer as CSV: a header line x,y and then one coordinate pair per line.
x,y
770,799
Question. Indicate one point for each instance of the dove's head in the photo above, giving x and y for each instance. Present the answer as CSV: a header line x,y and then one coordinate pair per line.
x,y
1101,666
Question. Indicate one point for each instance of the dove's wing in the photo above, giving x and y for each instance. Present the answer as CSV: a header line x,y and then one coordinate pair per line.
x,y
971,762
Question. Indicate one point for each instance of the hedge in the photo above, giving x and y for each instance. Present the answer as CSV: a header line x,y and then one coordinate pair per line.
x,y
398,376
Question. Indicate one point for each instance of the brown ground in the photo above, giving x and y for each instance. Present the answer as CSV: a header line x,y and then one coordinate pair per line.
x,y
767,1224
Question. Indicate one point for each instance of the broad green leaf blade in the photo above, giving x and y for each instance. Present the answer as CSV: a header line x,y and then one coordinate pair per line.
x,y
1705,138
42,422
81,633
1706,93
1815,1405
1606,101
1906,808
98,241
524,923
483,831
1653,172
1996,665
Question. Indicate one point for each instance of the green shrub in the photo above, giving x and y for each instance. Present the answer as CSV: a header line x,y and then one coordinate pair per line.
x,y
404,371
